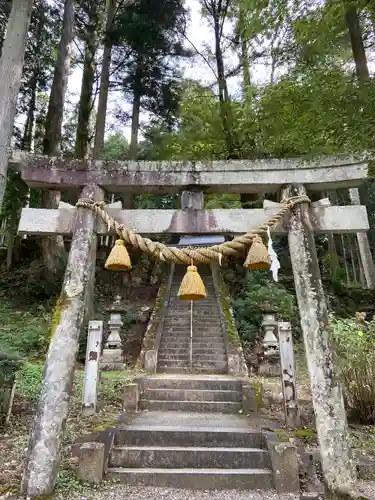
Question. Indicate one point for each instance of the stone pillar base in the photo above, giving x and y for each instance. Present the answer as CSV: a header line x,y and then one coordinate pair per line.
x,y
270,369
112,360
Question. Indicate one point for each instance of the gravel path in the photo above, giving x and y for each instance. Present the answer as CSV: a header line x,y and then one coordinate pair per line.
x,y
147,493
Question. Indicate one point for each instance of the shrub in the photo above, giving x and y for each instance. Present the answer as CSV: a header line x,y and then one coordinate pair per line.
x,y
251,291
29,381
355,356
25,333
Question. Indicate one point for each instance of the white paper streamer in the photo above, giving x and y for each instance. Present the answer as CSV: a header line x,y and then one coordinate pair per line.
x,y
275,264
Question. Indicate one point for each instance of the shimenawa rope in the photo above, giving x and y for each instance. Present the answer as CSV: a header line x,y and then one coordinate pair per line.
x,y
202,255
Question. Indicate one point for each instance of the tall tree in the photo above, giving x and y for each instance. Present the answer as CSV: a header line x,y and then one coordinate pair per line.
x,y
89,33
356,40
217,12
104,83
53,247
151,38
11,64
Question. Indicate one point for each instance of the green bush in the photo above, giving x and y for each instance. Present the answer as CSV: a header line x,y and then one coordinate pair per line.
x,y
25,333
29,284
355,356
29,381
251,291
10,363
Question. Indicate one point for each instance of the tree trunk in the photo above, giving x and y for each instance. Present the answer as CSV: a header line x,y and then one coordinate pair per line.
x,y
136,110
104,85
225,107
53,249
27,139
11,65
85,101
86,97
55,112
331,422
356,40
244,54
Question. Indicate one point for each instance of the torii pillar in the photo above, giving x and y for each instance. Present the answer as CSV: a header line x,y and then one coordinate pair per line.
x,y
42,457
331,421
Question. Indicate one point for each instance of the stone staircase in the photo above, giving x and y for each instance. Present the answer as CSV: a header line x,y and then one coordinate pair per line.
x,y
193,437
192,338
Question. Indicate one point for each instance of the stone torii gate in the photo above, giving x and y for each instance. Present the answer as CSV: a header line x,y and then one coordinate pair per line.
x,y
93,179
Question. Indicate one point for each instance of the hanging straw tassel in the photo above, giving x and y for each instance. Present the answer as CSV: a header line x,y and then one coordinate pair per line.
x,y
192,286
257,257
118,259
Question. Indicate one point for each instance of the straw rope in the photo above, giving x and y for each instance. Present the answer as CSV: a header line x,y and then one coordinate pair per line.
x,y
203,255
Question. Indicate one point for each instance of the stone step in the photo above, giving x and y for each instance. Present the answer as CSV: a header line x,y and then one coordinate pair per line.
x,y
196,335
168,370
173,362
196,363
195,479
181,344
173,369
191,395
195,406
141,435
194,382
219,352
172,457
181,360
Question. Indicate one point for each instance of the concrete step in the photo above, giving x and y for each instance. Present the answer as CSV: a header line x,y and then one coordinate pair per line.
x,y
140,435
195,479
191,395
194,382
195,406
173,456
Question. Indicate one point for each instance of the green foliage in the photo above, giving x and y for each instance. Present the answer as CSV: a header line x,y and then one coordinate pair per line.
x,y
29,284
25,333
116,147
252,291
10,363
355,355
29,381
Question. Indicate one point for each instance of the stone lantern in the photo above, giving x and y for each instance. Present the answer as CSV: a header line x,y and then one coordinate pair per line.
x,y
112,358
271,362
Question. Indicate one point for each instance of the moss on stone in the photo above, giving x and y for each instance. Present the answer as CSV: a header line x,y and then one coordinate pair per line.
x,y
224,298
258,393
305,434
61,303
155,318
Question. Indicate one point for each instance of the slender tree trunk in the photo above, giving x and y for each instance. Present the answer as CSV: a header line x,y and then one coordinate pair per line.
x,y
11,65
225,107
104,85
246,80
356,40
85,101
136,110
55,113
27,138
53,249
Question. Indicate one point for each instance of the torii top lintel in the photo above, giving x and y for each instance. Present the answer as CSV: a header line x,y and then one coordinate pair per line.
x,y
237,176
